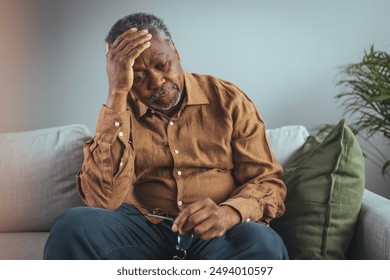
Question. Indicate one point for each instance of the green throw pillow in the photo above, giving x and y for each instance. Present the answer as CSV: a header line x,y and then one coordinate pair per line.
x,y
325,185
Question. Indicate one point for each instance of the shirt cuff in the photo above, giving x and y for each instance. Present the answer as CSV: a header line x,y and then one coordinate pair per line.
x,y
112,125
247,208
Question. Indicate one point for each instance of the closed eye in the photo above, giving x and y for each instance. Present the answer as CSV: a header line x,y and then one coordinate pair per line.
x,y
162,66
138,77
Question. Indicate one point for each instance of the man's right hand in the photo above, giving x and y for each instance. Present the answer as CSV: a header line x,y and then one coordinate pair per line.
x,y
120,58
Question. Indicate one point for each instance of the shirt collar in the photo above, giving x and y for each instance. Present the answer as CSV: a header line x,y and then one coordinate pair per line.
x,y
194,96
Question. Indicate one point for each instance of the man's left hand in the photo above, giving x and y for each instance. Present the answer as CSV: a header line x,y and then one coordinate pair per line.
x,y
206,219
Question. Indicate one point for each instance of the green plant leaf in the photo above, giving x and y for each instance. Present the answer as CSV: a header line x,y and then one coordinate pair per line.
x,y
365,97
379,98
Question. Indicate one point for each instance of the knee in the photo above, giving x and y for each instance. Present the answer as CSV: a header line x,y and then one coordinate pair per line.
x,y
73,234
73,222
262,242
69,219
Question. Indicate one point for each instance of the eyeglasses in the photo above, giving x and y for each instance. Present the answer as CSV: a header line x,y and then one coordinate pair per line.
x,y
184,241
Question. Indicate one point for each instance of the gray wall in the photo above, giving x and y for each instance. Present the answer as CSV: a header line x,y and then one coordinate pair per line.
x,y
284,54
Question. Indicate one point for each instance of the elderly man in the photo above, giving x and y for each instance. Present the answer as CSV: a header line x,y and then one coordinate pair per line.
x,y
179,166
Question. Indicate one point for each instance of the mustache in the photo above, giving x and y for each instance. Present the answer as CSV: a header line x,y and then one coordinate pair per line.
x,y
163,90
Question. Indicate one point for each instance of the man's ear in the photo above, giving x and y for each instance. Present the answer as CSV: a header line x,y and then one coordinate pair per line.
x,y
173,47
107,47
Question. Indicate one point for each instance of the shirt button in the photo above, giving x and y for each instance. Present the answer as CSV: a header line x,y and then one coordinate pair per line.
x,y
179,173
121,134
171,123
248,220
177,152
180,203
117,124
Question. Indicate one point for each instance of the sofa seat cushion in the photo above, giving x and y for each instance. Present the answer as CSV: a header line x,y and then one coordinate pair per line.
x,y
325,185
22,245
38,176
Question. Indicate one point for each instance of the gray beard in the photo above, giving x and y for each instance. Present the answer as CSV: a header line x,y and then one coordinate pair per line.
x,y
164,107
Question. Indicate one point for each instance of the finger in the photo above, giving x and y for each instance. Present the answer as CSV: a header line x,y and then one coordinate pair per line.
x,y
210,228
181,219
136,45
128,46
205,205
131,39
137,51
195,220
123,35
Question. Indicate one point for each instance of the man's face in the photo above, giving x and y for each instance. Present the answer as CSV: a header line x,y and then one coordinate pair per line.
x,y
158,75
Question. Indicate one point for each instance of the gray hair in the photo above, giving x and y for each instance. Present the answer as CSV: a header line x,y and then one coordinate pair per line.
x,y
139,21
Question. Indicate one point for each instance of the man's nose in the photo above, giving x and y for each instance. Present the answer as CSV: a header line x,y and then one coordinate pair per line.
x,y
156,80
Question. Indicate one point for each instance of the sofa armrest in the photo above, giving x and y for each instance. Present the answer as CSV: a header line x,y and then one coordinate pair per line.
x,y
372,235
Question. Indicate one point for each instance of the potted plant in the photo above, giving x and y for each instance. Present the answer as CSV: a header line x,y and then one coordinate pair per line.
x,y
365,95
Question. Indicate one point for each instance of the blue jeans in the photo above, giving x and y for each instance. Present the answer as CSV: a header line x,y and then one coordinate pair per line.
x,y
94,233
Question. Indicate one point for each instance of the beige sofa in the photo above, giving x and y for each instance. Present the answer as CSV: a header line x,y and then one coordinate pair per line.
x,y
37,183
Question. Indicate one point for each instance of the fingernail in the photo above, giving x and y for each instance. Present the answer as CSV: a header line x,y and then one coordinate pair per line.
x,y
174,228
144,31
133,29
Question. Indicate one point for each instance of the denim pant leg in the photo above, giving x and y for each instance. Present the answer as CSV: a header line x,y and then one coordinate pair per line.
x,y
95,233
245,241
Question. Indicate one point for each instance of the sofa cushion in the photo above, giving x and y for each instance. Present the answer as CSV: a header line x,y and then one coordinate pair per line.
x,y
38,176
22,245
325,185
286,141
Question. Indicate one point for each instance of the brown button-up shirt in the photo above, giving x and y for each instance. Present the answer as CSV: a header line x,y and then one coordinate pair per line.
x,y
215,146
